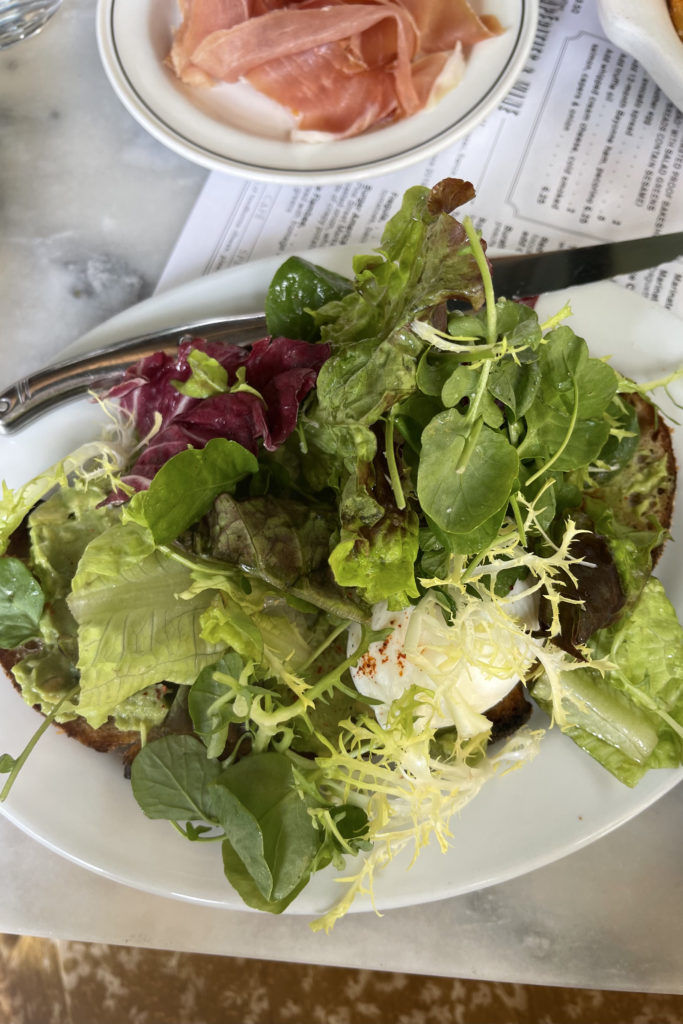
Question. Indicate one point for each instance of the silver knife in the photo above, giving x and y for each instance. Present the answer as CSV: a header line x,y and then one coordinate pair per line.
x,y
516,276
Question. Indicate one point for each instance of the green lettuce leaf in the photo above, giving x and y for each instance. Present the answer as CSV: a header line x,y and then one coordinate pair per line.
x,y
134,628
631,718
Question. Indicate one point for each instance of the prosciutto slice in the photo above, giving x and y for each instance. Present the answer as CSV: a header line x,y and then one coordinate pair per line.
x,y
340,66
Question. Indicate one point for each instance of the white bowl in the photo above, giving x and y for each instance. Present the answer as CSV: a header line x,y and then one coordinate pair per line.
x,y
230,128
644,29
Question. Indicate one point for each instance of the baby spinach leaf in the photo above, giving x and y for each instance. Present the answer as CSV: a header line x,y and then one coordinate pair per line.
x,y
172,778
298,286
21,603
186,486
267,823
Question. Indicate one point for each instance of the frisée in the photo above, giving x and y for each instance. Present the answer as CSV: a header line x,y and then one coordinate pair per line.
x,y
193,580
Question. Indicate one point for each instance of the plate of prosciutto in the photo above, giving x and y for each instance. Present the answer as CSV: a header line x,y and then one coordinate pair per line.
x,y
328,90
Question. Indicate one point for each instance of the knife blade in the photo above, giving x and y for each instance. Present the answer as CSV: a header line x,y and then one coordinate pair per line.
x,y
520,276
515,276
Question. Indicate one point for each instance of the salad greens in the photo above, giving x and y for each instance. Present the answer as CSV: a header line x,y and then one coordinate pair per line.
x,y
304,574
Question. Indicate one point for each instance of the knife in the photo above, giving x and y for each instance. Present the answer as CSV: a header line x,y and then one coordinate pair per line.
x,y
516,276
525,275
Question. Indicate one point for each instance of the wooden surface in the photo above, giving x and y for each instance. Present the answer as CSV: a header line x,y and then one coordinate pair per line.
x,y
47,982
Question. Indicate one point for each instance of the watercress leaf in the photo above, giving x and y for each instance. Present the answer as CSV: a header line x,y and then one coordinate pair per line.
x,y
549,428
433,370
623,441
267,823
479,538
519,324
172,778
184,489
467,325
569,411
491,412
515,384
242,881
21,603
565,365
462,383
461,488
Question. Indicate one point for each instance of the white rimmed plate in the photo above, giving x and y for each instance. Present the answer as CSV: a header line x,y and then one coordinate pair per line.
x,y
77,802
232,128
646,31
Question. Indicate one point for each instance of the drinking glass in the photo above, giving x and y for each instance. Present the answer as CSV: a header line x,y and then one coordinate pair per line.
x,y
22,18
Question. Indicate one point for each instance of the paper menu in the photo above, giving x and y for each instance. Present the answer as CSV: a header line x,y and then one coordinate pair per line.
x,y
585,148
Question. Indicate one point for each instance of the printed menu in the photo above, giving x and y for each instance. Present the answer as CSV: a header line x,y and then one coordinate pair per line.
x,y
585,148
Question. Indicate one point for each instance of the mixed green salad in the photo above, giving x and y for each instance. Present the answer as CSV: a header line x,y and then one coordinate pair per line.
x,y
301,579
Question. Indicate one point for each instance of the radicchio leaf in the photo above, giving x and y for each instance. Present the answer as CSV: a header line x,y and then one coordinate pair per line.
x,y
281,370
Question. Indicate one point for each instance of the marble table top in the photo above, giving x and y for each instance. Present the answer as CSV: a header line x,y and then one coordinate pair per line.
x,y
90,207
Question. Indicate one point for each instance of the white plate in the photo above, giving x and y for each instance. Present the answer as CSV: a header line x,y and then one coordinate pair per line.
x,y
645,30
215,127
77,803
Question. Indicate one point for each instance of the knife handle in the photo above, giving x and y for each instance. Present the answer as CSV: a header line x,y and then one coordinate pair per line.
x,y
31,396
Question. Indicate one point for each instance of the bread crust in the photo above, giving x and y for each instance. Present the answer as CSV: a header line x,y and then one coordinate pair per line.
x,y
676,12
